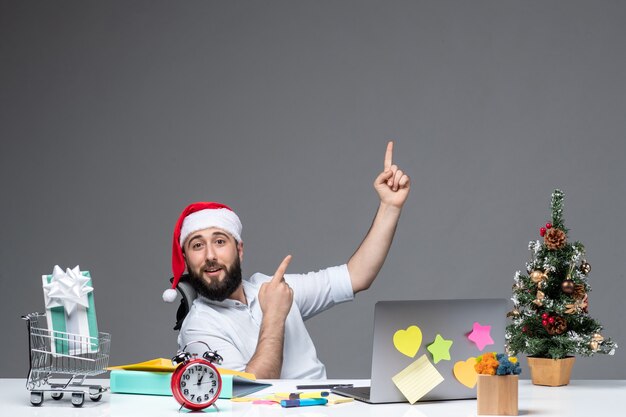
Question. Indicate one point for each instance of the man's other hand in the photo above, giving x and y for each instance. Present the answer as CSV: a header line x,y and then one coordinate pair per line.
x,y
392,185
275,296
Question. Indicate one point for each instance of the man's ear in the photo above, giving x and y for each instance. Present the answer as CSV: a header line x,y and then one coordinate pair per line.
x,y
186,264
240,250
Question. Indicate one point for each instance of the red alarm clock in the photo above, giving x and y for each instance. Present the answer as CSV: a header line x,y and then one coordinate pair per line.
x,y
196,383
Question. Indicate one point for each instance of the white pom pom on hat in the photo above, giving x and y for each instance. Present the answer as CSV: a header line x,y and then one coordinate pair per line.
x,y
169,295
198,216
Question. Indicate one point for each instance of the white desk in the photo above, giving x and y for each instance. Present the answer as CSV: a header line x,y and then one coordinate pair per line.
x,y
581,398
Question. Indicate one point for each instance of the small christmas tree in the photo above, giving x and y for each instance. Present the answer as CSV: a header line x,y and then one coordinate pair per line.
x,y
550,315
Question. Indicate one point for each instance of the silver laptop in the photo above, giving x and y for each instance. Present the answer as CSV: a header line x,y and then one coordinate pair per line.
x,y
453,320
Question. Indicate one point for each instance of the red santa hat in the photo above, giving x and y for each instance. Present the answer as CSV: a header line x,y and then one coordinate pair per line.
x,y
198,216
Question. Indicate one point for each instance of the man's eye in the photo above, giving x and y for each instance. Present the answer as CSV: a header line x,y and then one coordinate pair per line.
x,y
196,245
220,241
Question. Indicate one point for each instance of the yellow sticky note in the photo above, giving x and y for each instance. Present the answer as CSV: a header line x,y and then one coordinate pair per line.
x,y
165,365
417,379
408,341
153,365
338,399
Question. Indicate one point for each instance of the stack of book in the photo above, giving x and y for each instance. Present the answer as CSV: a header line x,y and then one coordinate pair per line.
x,y
153,377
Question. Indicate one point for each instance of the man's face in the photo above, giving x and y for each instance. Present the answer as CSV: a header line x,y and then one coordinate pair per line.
x,y
214,262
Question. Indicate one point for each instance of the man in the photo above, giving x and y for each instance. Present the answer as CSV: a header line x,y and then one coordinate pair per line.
x,y
257,325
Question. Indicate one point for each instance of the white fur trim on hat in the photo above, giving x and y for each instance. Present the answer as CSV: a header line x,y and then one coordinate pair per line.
x,y
221,218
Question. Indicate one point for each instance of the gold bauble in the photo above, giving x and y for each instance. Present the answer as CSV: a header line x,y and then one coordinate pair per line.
x,y
585,267
567,286
536,276
540,278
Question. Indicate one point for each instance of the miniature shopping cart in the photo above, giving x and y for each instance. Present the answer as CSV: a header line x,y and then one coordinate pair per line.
x,y
60,362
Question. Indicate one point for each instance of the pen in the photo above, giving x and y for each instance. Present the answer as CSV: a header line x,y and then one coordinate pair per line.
x,y
327,386
314,394
304,402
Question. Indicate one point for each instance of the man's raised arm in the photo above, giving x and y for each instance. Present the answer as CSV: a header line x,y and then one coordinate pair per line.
x,y
392,186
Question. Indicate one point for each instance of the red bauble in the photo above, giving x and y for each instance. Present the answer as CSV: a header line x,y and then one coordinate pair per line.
x,y
550,320
542,231
544,322
548,225
524,329
544,316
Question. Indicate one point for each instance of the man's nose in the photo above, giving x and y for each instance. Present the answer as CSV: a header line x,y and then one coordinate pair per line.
x,y
210,254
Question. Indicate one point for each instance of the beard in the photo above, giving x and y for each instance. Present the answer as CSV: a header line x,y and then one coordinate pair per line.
x,y
217,290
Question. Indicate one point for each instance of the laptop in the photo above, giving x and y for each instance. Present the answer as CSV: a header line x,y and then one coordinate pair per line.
x,y
453,320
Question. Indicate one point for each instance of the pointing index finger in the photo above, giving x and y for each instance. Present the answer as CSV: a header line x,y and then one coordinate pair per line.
x,y
280,272
389,156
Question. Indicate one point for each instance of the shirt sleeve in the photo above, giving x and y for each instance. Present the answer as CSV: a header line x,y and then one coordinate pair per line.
x,y
196,329
315,292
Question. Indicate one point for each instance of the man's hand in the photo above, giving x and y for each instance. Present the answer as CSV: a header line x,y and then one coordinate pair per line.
x,y
275,296
392,185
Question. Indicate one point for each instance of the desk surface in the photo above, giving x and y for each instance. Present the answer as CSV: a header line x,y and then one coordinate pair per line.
x,y
580,398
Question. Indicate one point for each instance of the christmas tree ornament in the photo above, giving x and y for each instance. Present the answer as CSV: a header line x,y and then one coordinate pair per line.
x,y
585,267
544,323
542,231
513,313
551,320
558,326
555,239
567,286
576,307
596,340
540,278
538,301
548,225
579,292
544,316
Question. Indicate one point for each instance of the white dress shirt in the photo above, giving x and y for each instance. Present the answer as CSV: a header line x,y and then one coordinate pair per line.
x,y
232,328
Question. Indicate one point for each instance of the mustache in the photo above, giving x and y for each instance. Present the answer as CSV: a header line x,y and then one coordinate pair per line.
x,y
213,265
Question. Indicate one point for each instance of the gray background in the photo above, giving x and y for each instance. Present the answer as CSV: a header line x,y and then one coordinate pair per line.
x,y
115,115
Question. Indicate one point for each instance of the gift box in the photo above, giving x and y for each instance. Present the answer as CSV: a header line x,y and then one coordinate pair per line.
x,y
70,311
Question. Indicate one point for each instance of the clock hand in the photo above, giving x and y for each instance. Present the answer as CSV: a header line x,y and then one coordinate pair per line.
x,y
200,379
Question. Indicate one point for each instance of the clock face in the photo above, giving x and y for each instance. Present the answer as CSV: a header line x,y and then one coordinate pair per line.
x,y
199,384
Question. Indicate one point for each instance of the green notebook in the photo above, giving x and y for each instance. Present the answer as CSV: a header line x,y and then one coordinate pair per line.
x,y
158,383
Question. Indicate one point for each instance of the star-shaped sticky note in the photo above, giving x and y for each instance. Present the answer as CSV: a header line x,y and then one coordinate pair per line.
x,y
440,349
481,336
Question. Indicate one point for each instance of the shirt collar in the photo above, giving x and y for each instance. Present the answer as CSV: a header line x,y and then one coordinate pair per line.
x,y
249,290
